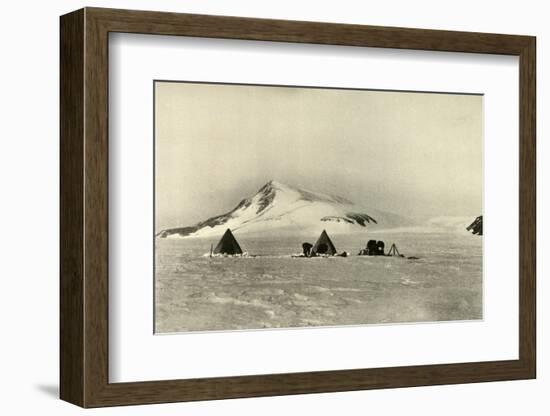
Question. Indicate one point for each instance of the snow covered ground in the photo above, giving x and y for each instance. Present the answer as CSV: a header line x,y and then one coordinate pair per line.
x,y
274,290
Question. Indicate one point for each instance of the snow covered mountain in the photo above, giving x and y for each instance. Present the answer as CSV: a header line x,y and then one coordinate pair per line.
x,y
280,208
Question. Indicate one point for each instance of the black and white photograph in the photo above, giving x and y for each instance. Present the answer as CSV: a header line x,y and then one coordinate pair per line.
x,y
293,207
268,208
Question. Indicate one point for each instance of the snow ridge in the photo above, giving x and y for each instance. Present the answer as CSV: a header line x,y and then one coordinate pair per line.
x,y
282,208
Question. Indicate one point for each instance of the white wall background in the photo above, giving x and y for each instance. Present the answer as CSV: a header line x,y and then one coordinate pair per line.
x,y
29,207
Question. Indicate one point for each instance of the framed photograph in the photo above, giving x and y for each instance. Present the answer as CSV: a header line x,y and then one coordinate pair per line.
x,y
254,207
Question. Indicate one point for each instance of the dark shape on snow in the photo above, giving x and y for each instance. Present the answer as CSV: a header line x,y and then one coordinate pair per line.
x,y
306,247
395,252
324,245
477,226
228,245
380,248
374,248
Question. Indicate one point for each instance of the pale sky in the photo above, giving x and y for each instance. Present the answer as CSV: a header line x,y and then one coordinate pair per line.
x,y
415,154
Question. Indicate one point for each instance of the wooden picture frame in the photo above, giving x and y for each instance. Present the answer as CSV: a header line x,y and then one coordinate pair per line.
x,y
84,207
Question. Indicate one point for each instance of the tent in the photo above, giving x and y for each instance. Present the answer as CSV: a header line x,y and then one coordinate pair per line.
x,y
324,245
228,244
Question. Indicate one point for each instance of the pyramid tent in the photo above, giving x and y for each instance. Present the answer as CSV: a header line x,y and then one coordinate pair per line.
x,y
324,245
228,244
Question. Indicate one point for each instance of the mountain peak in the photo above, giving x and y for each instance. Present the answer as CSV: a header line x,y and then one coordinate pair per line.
x,y
273,182
274,187
278,206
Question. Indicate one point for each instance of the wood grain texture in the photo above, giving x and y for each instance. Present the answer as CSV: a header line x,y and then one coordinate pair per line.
x,y
528,207
96,208
162,23
84,207
71,213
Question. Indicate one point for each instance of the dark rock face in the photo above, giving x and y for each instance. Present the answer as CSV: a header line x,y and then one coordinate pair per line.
x,y
210,222
336,219
181,230
352,218
476,227
267,192
245,203
361,219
